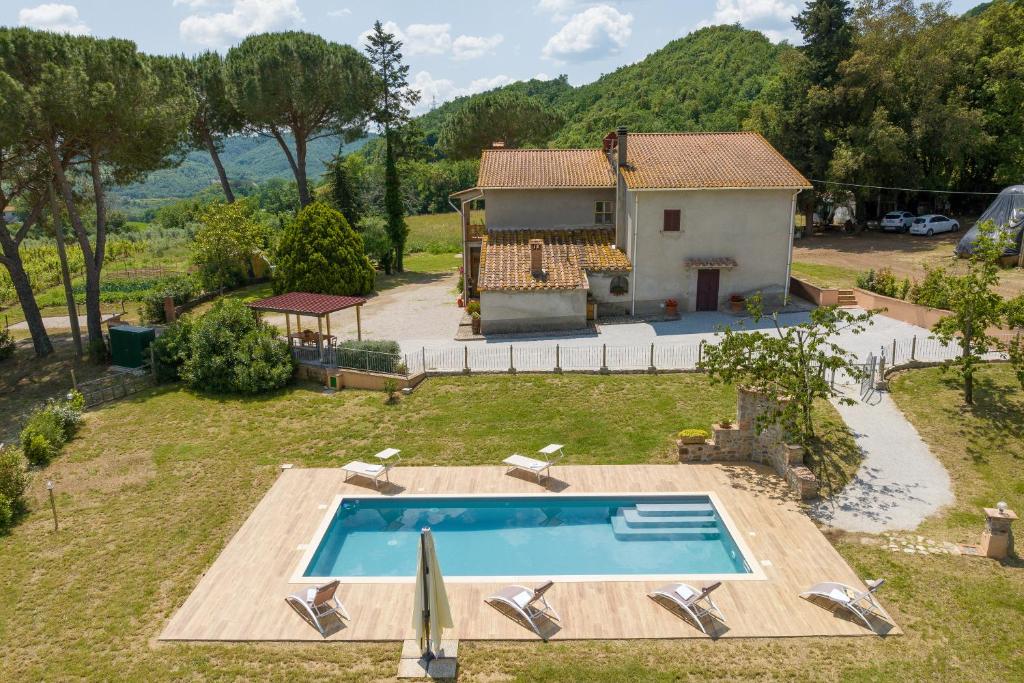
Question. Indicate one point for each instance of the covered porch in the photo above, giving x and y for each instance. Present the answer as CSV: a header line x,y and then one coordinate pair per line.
x,y
306,344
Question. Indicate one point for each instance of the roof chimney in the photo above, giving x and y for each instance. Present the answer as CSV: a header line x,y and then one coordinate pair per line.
x,y
498,144
622,134
536,252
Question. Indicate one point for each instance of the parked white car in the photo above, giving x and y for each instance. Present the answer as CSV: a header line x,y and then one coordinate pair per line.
x,y
897,221
933,223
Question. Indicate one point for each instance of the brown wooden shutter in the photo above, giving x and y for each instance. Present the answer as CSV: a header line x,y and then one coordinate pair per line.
x,y
671,220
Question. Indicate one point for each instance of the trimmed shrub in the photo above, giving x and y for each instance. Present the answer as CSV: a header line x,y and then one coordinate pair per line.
x,y
885,283
932,290
171,349
13,483
6,344
42,437
371,355
319,252
231,351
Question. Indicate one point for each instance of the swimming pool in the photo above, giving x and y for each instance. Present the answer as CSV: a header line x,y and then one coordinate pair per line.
x,y
569,537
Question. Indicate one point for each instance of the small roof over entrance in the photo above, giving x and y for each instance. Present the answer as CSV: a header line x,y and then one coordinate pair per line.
x,y
305,303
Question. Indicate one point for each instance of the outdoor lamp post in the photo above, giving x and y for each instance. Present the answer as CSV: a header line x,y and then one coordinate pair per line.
x,y
53,503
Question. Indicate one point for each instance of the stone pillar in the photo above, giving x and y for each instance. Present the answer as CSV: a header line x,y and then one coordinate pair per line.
x,y
997,539
169,313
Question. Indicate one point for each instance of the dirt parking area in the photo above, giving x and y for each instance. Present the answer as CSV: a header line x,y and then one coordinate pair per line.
x,y
833,259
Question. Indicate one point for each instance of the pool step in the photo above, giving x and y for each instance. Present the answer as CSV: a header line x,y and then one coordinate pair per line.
x,y
674,509
635,519
624,532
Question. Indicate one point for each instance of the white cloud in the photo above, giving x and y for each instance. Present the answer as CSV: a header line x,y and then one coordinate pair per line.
x,y
771,17
53,17
541,77
436,39
343,12
434,91
194,4
427,39
558,9
246,17
594,32
474,47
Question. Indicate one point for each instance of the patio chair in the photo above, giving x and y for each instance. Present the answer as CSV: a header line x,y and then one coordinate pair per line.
x,y
317,604
537,467
528,603
861,603
697,603
358,468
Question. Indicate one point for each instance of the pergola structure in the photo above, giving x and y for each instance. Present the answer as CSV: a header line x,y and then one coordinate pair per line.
x,y
319,306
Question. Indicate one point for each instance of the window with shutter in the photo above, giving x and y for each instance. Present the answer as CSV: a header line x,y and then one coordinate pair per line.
x,y
671,220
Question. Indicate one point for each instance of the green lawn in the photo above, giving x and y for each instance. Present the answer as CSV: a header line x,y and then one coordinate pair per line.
x,y
153,487
828,277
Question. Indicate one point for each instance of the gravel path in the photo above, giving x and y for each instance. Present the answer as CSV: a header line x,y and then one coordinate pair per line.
x,y
59,322
899,482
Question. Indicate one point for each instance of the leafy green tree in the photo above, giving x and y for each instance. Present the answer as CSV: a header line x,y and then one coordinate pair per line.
x,y
299,83
343,195
22,173
517,120
392,100
975,305
215,115
101,110
319,252
232,351
230,237
1015,348
828,37
790,365
376,241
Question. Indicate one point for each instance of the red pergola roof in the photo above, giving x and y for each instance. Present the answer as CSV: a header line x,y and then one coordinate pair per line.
x,y
305,303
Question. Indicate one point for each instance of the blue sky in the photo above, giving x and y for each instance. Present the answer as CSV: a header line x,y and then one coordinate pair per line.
x,y
453,47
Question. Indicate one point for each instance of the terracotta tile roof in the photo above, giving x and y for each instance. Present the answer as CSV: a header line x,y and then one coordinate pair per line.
x,y
306,303
544,168
567,256
720,262
707,160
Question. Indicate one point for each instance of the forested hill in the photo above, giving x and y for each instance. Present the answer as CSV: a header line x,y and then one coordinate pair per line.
x,y
247,159
704,81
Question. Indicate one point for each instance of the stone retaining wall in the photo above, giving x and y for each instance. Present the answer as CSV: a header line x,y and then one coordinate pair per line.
x,y
743,441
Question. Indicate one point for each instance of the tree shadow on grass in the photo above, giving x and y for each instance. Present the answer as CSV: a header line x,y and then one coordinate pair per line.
x,y
832,456
993,423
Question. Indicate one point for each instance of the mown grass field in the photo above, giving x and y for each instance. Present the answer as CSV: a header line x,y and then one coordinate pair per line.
x,y
153,487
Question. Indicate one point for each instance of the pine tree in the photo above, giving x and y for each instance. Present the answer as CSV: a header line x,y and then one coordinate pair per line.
x,y
343,195
828,37
391,112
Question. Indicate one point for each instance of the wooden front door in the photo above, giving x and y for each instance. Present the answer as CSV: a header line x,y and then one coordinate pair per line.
x,y
707,289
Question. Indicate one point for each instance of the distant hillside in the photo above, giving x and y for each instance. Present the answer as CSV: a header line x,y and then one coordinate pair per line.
x,y
704,81
246,160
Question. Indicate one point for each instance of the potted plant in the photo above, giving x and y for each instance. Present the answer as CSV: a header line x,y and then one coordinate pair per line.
x,y
725,423
671,308
459,302
693,436
737,302
475,318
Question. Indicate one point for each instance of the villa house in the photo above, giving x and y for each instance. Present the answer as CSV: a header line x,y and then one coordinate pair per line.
x,y
572,234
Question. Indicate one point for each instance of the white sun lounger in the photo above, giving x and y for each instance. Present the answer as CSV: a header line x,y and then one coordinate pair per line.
x,y
861,603
359,468
317,604
538,467
697,603
528,603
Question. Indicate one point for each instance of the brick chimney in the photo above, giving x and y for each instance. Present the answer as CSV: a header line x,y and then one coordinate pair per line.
x,y
622,135
536,260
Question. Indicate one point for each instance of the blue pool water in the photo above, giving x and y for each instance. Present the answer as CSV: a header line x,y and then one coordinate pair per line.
x,y
529,536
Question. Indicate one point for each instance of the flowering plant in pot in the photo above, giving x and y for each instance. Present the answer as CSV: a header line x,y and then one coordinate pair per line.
x,y
475,318
671,307
693,436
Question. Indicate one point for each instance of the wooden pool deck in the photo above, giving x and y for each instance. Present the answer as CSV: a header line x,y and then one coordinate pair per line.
x,y
241,597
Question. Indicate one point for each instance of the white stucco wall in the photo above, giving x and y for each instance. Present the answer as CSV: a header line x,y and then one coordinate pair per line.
x,y
750,226
608,303
543,208
503,312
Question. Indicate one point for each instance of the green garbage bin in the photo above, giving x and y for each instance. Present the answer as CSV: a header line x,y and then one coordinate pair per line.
x,y
129,345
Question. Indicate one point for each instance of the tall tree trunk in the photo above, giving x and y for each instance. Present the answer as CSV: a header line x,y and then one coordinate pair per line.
x,y
298,169
41,343
968,371
93,262
69,295
211,147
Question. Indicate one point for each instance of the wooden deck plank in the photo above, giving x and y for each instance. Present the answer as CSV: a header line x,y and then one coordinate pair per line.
x,y
241,597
